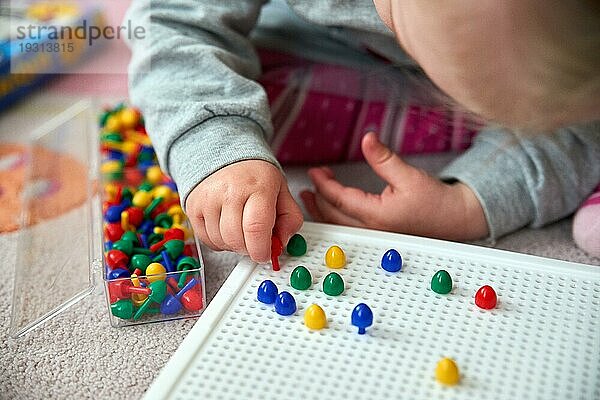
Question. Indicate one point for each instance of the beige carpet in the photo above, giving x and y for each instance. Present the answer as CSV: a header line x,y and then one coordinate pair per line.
x,y
79,355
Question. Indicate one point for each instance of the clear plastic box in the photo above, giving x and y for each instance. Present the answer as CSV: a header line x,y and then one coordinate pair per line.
x,y
61,253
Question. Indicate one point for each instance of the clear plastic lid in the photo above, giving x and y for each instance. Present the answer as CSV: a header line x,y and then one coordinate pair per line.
x,y
58,247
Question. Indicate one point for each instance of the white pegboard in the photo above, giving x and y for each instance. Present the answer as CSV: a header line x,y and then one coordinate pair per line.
x,y
541,342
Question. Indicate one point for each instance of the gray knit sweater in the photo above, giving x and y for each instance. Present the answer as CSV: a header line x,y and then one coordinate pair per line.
x,y
194,78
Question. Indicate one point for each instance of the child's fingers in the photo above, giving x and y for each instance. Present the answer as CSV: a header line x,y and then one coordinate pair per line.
x,y
350,201
212,217
200,231
289,217
308,198
231,227
384,161
258,219
334,215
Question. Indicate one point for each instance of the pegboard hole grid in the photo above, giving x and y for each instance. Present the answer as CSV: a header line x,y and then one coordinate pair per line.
x,y
541,341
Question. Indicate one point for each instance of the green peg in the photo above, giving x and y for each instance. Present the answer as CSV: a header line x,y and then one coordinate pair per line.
x,y
333,284
127,247
131,237
146,187
103,117
441,282
185,264
124,245
159,292
154,238
145,157
140,261
174,248
123,309
127,194
163,220
300,279
152,206
111,137
296,246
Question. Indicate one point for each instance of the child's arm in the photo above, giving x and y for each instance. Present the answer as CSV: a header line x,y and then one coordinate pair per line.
x,y
499,185
193,78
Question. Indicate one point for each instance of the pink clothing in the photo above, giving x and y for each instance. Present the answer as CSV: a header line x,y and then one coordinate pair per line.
x,y
315,103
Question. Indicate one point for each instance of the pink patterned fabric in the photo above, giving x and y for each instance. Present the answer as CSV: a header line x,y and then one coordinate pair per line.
x,y
593,199
321,111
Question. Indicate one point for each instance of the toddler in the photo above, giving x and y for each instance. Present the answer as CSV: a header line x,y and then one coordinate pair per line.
x,y
527,65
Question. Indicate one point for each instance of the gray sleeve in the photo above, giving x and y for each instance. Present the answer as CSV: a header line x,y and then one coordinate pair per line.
x,y
529,180
193,76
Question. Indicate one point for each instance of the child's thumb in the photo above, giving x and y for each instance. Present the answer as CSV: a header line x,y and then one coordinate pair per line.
x,y
384,161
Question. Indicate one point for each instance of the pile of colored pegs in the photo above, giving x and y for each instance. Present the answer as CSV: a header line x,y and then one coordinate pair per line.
x,y
151,261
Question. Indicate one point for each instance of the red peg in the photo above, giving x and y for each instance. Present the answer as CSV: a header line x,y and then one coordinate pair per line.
x,y
486,298
116,259
124,289
188,250
131,160
163,208
171,233
276,249
192,299
136,215
113,231
133,176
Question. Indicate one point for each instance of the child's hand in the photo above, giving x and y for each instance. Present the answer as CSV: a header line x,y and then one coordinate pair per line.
x,y
413,202
241,206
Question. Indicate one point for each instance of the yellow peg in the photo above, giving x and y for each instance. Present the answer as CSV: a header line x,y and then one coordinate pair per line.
x,y
335,257
446,372
137,298
314,317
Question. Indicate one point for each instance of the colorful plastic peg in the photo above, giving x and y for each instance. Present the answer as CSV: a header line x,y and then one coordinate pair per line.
x,y
167,261
163,220
486,297
141,199
123,289
314,317
174,248
285,304
172,304
391,261
362,317
276,249
118,273
131,237
192,300
267,292
185,264
446,372
141,262
300,278
441,282
123,309
156,272
113,213
333,284
157,295
296,246
116,259
335,257
170,234
113,231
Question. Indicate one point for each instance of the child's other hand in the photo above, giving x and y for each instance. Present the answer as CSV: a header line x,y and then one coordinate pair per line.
x,y
413,202
241,206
